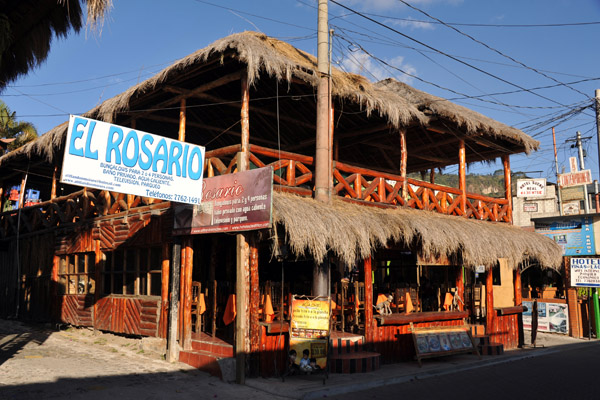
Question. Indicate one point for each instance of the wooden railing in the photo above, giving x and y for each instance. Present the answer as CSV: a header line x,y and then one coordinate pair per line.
x,y
292,173
79,206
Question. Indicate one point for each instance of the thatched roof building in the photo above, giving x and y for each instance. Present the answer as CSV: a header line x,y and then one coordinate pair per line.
x,y
367,120
354,232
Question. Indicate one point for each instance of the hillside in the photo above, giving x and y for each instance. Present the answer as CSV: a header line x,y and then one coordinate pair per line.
x,y
487,185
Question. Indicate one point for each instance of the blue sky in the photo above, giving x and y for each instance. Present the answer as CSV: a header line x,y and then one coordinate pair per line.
x,y
514,46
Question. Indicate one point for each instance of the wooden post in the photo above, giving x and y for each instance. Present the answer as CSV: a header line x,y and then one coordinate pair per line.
x,y
462,177
182,280
369,325
22,192
507,184
518,302
182,120
56,303
254,309
164,291
187,308
403,160
242,345
98,270
460,287
242,287
489,303
432,175
54,183
172,347
517,287
213,284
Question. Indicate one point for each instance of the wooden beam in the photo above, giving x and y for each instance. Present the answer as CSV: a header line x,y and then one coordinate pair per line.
x,y
403,158
255,326
259,110
54,182
369,321
489,304
460,287
200,89
507,184
172,347
462,177
181,135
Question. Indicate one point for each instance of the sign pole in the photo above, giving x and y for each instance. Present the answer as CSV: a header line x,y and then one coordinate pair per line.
x,y
596,312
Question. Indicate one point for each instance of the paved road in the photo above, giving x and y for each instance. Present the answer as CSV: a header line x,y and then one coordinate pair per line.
x,y
571,372
38,364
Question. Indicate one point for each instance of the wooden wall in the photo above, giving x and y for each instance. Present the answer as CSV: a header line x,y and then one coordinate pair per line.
x,y
505,330
273,356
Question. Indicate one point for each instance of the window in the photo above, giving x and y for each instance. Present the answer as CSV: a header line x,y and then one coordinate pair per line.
x,y
76,274
133,271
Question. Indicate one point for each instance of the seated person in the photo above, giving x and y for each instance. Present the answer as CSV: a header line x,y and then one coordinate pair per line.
x,y
305,362
292,366
313,364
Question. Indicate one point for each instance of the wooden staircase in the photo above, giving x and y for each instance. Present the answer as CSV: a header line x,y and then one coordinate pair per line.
x,y
482,341
348,355
205,354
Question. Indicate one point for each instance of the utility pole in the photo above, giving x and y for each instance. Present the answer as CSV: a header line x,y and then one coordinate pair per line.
x,y
595,296
323,152
586,202
560,210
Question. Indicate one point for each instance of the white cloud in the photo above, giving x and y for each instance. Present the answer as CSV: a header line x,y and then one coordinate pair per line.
x,y
362,64
410,23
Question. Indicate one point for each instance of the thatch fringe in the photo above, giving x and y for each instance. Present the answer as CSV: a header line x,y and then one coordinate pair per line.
x,y
469,120
353,232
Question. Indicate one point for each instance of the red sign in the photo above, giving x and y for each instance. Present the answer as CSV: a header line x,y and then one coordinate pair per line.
x,y
232,202
583,177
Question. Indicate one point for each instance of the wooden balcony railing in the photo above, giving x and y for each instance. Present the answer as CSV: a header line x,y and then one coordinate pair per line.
x,y
79,206
292,173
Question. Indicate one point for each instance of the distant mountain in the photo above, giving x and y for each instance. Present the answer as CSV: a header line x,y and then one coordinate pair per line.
x,y
487,185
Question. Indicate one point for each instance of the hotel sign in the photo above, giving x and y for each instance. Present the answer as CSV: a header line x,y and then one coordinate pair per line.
x,y
585,272
111,157
531,187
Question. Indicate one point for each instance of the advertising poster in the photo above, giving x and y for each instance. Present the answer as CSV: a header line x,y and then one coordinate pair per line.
x,y
105,156
231,202
575,235
310,329
531,187
552,317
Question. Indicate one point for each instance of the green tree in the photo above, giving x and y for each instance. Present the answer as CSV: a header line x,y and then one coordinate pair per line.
x,y
22,131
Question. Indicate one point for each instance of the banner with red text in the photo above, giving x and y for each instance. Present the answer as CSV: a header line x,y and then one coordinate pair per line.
x,y
231,202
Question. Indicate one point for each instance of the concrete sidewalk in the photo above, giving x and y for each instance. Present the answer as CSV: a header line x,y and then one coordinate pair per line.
x,y
312,387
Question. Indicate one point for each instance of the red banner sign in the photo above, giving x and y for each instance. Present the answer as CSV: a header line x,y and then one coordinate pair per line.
x,y
232,202
583,177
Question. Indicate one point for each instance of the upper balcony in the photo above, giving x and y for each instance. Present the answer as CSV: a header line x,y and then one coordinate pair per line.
x,y
255,95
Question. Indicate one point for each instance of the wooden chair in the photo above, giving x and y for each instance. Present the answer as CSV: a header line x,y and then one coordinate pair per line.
x,y
197,313
359,304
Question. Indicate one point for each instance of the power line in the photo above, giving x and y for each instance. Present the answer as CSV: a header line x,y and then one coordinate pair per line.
x,y
444,53
491,48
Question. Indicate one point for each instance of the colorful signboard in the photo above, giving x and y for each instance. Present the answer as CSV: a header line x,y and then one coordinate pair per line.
x,y
574,235
585,272
531,187
231,202
111,157
310,323
552,317
582,177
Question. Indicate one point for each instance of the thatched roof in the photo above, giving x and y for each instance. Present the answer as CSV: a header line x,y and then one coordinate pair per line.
x,y
354,232
473,122
27,28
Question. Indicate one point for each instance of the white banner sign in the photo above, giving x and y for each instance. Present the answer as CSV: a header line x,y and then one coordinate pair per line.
x,y
583,177
110,157
531,187
585,272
